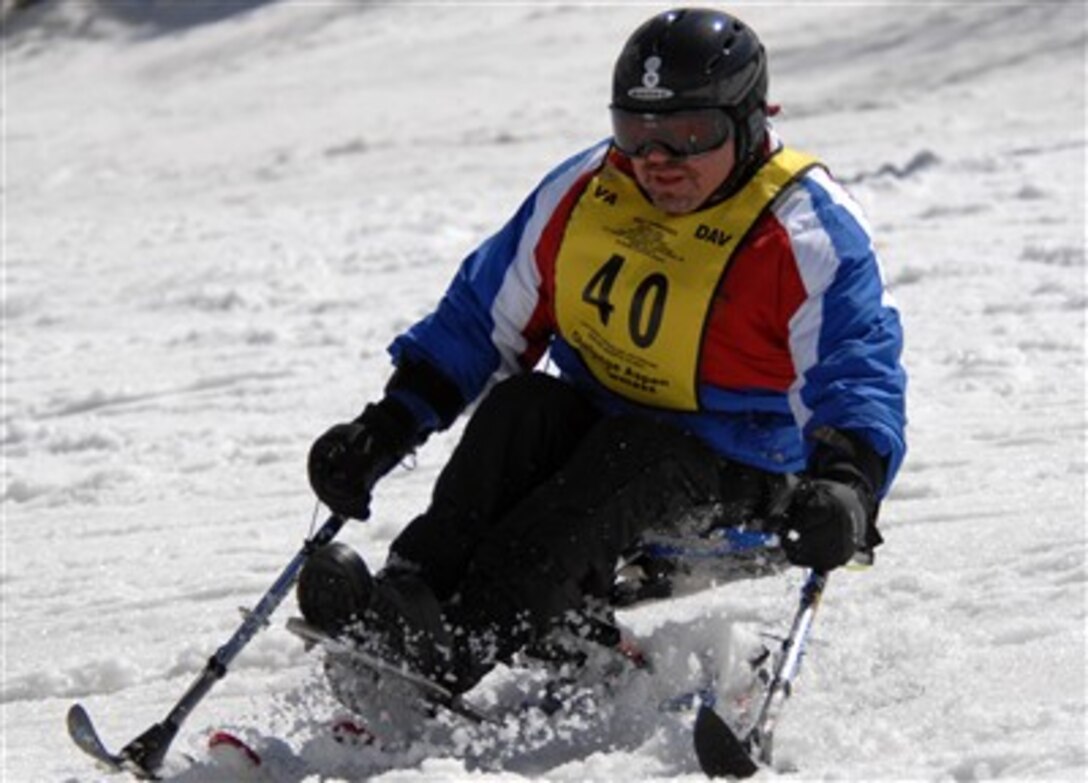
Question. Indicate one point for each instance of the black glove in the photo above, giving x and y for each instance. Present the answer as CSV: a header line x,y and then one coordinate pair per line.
x,y
346,462
825,524
832,513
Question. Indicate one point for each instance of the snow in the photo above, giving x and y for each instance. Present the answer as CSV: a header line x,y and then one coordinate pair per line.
x,y
216,217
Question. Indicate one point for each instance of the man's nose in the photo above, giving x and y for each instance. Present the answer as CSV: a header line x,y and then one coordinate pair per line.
x,y
657,155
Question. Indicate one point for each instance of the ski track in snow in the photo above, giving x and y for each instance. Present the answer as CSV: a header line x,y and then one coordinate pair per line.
x,y
216,221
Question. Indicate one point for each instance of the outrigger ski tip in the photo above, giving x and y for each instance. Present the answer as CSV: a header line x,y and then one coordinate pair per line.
x,y
719,751
142,757
83,734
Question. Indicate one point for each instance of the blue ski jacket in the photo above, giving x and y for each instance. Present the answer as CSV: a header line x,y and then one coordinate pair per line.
x,y
750,323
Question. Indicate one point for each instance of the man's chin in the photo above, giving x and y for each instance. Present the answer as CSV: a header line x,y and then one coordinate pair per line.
x,y
672,204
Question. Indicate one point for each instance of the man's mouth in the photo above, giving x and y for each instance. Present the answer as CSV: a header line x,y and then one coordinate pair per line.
x,y
667,178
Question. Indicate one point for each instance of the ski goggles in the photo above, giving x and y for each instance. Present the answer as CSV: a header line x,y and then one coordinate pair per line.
x,y
681,134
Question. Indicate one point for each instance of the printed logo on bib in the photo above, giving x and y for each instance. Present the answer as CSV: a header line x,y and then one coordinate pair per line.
x,y
634,287
646,237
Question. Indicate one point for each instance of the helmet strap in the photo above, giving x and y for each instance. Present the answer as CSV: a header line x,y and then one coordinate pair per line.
x,y
750,142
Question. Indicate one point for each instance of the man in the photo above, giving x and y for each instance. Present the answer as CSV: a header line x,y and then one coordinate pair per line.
x,y
713,305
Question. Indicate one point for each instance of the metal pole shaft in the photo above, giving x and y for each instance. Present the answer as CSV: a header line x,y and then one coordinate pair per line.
x,y
149,749
793,649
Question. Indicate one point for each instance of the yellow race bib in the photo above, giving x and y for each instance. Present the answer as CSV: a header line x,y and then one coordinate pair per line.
x,y
634,287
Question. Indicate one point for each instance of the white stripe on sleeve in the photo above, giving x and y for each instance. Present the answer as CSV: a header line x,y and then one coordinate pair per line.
x,y
520,290
817,264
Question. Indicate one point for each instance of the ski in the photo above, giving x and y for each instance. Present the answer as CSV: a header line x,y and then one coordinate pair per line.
x,y
231,755
226,744
720,752
348,731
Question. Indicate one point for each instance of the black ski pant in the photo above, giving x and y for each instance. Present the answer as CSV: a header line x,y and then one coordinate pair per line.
x,y
542,495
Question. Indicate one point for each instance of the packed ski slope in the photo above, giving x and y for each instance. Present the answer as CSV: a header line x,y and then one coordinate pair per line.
x,y
215,222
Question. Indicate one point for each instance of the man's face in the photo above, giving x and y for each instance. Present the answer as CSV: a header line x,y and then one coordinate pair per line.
x,y
678,186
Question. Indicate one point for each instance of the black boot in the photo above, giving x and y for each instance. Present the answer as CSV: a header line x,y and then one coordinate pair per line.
x,y
405,624
334,588
393,616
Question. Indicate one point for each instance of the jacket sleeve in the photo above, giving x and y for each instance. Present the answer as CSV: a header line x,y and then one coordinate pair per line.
x,y
495,318
846,338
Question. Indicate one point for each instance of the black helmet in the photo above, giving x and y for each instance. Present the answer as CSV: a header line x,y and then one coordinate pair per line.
x,y
696,59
